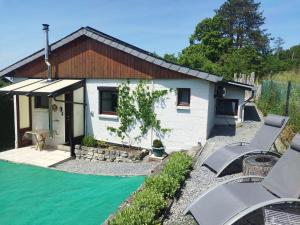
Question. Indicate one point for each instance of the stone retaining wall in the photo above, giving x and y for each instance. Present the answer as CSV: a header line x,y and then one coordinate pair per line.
x,y
100,154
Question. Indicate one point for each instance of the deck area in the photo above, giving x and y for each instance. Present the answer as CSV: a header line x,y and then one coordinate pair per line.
x,y
29,155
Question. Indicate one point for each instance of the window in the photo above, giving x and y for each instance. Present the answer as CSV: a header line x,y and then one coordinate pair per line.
x,y
41,102
227,107
108,100
183,96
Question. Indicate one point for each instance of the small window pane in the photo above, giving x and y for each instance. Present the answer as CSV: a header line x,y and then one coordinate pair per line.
x,y
41,102
184,95
227,107
108,101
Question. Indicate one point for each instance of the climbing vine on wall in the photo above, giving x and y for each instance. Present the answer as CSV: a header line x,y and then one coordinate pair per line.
x,y
136,108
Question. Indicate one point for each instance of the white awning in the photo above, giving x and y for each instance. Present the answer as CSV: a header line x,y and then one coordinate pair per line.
x,y
37,87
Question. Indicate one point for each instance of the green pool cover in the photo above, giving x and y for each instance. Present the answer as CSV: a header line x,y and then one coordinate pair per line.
x,y
31,195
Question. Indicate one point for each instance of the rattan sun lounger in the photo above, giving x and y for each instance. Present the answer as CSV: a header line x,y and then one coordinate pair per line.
x,y
261,143
230,201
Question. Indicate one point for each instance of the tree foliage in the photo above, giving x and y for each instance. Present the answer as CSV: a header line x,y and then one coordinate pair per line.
x,y
242,23
232,41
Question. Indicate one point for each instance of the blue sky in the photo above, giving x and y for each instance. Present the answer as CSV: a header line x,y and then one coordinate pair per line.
x,y
162,26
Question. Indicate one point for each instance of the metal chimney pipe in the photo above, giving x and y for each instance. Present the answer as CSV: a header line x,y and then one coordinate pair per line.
x,y
46,29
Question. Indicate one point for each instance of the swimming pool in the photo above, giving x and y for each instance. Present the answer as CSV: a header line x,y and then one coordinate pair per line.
x,y
33,195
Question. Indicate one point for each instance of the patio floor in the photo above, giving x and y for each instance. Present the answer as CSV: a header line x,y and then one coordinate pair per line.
x,y
29,155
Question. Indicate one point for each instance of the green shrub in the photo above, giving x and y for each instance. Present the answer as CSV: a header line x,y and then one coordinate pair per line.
x,y
149,202
143,210
150,199
162,183
89,141
157,143
132,215
179,166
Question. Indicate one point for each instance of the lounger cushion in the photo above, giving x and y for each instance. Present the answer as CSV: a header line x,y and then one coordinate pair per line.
x,y
226,201
296,143
275,121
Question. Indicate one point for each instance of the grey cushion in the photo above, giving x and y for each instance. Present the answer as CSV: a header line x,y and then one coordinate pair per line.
x,y
296,143
275,121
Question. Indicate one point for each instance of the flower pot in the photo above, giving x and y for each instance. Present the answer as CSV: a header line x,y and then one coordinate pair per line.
x,y
158,152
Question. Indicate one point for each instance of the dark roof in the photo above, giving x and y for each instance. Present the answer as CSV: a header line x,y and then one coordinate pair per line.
x,y
237,84
118,44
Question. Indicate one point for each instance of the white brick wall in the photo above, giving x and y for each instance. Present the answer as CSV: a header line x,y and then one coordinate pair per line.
x,y
189,126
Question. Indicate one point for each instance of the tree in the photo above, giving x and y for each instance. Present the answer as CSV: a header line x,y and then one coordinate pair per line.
x,y
193,57
278,46
241,23
209,37
171,58
241,61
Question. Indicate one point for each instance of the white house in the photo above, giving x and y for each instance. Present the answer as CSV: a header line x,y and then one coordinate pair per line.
x,y
75,92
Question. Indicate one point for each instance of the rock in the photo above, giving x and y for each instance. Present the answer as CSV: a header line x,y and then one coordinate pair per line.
x,y
84,148
78,153
101,151
77,147
101,157
119,159
124,154
130,156
111,159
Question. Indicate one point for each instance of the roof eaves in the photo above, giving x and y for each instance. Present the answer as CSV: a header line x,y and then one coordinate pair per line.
x,y
118,44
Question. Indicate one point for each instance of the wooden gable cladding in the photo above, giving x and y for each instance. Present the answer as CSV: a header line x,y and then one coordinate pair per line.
x,y
87,58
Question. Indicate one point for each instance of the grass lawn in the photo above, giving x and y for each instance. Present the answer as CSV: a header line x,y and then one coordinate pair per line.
x,y
33,195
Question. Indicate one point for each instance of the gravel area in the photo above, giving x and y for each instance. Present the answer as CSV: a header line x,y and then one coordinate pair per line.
x,y
202,178
107,168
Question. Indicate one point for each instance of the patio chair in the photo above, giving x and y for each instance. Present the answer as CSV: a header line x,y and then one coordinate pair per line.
x,y
260,144
228,202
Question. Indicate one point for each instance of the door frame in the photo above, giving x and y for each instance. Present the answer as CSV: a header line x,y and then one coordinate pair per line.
x,y
21,132
69,123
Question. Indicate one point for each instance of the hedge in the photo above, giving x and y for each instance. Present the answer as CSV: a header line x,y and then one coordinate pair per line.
x,y
148,204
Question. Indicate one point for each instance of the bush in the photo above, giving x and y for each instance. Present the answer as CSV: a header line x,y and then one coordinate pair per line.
x,y
149,202
157,143
89,141
145,206
134,216
179,166
163,183
150,199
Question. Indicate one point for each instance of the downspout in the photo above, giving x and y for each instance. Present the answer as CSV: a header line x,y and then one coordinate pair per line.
x,y
46,29
244,103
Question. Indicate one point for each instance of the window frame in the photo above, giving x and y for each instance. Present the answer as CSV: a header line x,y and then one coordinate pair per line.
x,y
38,105
106,89
179,103
236,101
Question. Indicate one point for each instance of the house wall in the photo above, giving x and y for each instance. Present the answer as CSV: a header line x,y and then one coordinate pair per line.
x,y
40,121
232,93
188,124
211,112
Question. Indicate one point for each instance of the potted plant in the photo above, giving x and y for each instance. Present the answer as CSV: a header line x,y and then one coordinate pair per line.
x,y
158,148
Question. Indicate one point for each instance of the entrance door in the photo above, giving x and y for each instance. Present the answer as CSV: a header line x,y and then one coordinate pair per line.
x,y
68,117
24,122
